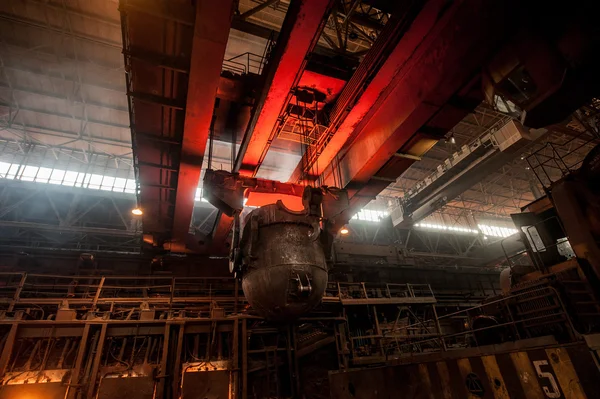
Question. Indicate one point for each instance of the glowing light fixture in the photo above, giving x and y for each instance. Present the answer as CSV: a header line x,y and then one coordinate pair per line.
x,y
495,231
448,228
370,215
344,230
137,212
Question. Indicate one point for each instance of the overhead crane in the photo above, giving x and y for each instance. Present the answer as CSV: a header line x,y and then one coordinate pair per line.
x,y
431,64
451,333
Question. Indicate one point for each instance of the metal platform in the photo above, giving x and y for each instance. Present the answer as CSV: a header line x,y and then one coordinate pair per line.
x,y
378,294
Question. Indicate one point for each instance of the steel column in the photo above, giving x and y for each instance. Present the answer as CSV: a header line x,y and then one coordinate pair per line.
x,y
235,359
163,373
17,293
97,358
7,348
244,359
75,376
176,372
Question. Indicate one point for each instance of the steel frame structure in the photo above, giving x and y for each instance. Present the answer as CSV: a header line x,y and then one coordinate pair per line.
x,y
52,216
88,97
36,215
86,329
418,246
74,84
515,184
350,30
300,32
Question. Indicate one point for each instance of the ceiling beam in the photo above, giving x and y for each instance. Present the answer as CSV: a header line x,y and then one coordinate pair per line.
x,y
84,158
65,9
69,135
66,116
358,96
434,87
256,9
301,30
21,50
49,28
68,100
74,229
253,29
176,12
48,74
211,31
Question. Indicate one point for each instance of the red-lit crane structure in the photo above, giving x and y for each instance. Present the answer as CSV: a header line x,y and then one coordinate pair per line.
x,y
430,64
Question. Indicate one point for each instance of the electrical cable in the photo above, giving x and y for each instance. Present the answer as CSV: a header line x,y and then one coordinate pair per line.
x,y
140,348
120,361
40,308
202,362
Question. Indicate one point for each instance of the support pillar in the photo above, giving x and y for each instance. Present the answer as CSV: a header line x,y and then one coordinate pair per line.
x,y
7,349
75,375
96,365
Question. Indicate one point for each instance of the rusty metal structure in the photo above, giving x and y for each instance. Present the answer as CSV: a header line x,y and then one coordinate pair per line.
x,y
149,337
299,98
544,324
285,268
250,136
503,372
281,252
115,336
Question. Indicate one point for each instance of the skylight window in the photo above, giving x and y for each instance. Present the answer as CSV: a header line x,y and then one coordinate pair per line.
x,y
369,215
67,178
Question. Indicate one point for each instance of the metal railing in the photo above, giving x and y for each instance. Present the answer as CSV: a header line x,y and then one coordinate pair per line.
x,y
245,63
441,333
365,291
103,293
537,248
485,140
549,168
22,290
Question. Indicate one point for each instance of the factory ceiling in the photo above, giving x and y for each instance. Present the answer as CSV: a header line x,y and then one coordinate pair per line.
x,y
73,93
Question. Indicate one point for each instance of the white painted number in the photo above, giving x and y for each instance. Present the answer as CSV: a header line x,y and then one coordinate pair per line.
x,y
555,393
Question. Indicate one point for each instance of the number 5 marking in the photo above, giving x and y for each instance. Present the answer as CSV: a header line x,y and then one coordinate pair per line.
x,y
555,393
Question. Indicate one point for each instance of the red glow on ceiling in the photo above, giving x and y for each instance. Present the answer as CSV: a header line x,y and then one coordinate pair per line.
x,y
292,202
331,87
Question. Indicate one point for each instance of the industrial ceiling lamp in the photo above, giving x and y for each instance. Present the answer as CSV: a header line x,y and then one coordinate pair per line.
x,y
450,138
344,231
137,212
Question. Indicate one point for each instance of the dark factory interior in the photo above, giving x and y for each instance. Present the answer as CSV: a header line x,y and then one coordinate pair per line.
x,y
299,199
